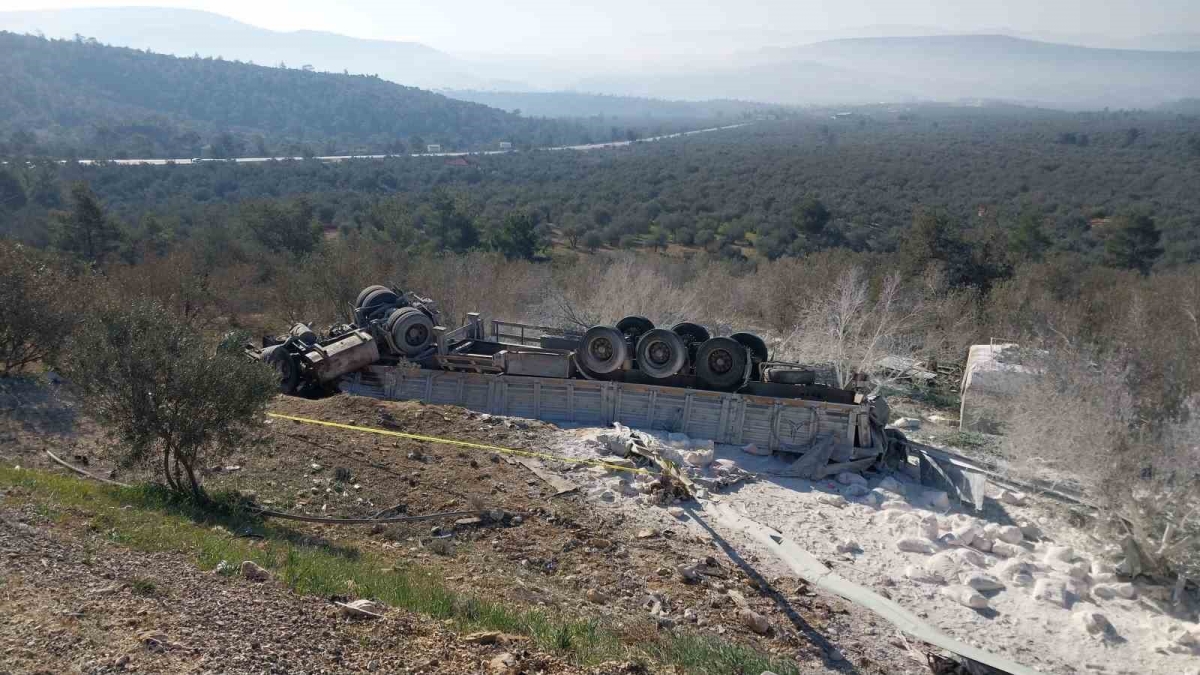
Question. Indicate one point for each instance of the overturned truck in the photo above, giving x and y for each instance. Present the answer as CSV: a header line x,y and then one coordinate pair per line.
x,y
677,379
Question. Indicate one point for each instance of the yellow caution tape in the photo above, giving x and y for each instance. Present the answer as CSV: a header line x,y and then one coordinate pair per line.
x,y
461,444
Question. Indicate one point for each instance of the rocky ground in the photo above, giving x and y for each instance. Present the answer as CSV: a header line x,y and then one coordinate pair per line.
x,y
557,552
69,606
613,551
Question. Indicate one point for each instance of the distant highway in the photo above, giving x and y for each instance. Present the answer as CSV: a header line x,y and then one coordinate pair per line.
x,y
342,158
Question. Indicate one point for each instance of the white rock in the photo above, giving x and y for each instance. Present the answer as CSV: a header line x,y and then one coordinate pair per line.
x,y
968,557
848,546
896,505
1004,549
1103,578
906,423
983,582
944,566
929,526
919,575
700,458
891,485
964,535
1110,591
936,499
1012,498
1010,534
1052,591
1101,567
832,500
849,478
966,596
753,449
1059,554
677,512
1093,623
916,545
679,441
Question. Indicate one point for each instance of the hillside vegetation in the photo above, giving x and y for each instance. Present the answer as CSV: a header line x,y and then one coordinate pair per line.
x,y
82,98
1008,184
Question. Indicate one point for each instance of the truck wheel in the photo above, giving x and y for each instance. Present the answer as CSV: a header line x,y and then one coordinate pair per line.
x,y
693,335
661,353
758,351
603,349
633,327
691,332
411,330
362,295
286,370
378,300
721,363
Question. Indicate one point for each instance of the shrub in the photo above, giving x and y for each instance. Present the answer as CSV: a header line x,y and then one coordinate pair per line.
x,y
152,382
38,307
1078,420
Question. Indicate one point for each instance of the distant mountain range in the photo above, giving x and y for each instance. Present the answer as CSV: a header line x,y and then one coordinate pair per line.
x,y
576,104
184,32
76,97
865,65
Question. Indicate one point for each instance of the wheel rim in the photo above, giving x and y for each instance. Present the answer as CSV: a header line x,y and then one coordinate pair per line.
x,y
720,361
416,335
659,353
601,348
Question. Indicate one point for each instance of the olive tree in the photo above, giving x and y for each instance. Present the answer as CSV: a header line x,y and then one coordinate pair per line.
x,y
37,309
171,399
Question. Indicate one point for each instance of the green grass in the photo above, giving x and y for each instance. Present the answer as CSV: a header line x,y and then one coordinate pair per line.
x,y
149,518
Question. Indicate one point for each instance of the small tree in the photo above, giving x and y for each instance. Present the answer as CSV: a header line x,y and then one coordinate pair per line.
x,y
851,328
36,315
1134,244
592,240
85,230
516,237
152,382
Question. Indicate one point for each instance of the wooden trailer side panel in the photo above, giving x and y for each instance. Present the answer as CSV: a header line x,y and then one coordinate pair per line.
x,y
774,423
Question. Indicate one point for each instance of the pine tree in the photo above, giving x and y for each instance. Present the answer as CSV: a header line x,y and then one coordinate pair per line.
x,y
1133,244
85,230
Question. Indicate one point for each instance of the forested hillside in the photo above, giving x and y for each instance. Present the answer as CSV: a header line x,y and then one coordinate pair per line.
x,y
81,98
1002,185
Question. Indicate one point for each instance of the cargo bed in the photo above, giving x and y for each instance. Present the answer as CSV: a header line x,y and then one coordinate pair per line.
x,y
774,423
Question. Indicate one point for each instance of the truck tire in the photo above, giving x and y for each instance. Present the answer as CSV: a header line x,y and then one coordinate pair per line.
x,y
758,351
603,349
634,327
287,371
691,332
411,330
362,295
661,353
721,363
378,300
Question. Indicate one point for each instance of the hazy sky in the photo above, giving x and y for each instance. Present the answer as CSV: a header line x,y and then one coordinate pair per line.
x,y
533,25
